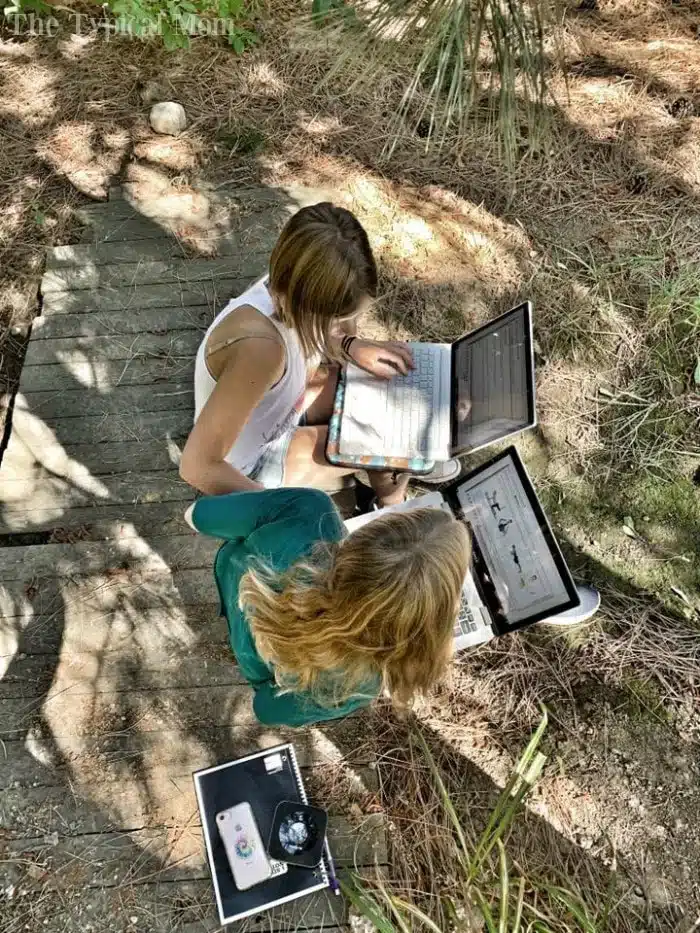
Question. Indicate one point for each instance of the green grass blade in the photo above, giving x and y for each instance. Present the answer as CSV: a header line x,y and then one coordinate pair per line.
x,y
574,905
366,905
445,800
418,914
505,887
485,912
517,919
533,744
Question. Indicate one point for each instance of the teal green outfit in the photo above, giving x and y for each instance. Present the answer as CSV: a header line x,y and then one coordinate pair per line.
x,y
276,527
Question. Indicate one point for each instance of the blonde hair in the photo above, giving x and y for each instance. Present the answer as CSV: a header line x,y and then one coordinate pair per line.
x,y
320,270
379,605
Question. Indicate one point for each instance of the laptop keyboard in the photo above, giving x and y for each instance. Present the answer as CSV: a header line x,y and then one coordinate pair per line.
x,y
466,620
414,401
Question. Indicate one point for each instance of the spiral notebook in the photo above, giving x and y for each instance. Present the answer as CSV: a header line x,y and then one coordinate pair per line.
x,y
262,780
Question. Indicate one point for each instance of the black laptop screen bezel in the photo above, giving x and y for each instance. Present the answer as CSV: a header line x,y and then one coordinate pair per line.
x,y
454,382
487,592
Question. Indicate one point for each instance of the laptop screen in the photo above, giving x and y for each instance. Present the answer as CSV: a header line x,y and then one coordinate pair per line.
x,y
518,548
493,392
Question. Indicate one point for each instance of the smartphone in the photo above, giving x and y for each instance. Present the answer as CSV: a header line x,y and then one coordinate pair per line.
x,y
244,848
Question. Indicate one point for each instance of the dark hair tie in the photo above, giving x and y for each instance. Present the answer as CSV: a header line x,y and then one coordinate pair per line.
x,y
345,345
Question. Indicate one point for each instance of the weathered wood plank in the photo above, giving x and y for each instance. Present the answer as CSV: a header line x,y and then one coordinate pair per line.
x,y
43,497
102,459
176,344
138,427
88,301
119,670
97,522
170,854
104,227
123,401
116,591
141,711
147,717
113,633
252,197
151,241
32,811
157,554
184,907
105,375
152,272
101,323
339,745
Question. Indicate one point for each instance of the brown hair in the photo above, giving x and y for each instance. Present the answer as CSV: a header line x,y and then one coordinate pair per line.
x,y
380,606
320,270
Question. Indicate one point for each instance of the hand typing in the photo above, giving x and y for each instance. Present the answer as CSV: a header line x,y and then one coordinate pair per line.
x,y
383,359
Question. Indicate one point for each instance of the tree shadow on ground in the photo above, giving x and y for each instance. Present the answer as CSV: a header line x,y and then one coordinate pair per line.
x,y
423,843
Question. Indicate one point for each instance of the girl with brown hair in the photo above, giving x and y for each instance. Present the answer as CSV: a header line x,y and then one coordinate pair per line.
x,y
258,369
320,622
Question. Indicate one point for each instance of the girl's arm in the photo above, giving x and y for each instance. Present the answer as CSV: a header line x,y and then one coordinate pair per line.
x,y
239,514
383,358
246,377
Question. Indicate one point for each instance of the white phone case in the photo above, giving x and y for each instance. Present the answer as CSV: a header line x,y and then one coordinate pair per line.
x,y
246,854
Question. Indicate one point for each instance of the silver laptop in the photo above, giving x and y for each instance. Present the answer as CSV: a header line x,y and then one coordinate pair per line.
x,y
518,575
460,397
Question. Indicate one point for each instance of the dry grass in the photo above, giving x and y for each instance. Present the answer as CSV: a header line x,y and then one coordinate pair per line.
x,y
449,875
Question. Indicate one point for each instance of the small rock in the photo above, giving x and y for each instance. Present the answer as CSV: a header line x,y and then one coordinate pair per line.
x,y
659,831
168,118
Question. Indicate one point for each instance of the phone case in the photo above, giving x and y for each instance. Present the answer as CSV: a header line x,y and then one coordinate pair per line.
x,y
415,465
244,847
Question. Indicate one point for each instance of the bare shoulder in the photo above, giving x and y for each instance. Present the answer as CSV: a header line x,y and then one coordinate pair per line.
x,y
245,329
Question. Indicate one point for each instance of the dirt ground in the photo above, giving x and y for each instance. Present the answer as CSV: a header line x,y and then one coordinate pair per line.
x,y
599,227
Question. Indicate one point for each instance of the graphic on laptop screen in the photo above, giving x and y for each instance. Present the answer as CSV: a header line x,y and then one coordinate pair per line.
x,y
519,559
492,383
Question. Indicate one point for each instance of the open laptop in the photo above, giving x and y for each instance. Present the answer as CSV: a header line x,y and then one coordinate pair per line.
x,y
518,575
459,397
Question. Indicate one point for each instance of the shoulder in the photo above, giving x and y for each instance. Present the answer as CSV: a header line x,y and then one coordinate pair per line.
x,y
243,325
320,516
293,520
313,503
258,357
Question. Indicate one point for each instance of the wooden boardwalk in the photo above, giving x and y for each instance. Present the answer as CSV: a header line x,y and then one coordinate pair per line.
x,y
116,680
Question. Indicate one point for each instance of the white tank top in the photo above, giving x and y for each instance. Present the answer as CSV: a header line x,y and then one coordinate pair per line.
x,y
280,408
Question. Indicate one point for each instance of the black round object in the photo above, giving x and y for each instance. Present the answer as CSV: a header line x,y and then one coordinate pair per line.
x,y
298,833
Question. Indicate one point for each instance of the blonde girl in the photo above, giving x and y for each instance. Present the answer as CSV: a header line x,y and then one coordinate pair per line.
x,y
321,623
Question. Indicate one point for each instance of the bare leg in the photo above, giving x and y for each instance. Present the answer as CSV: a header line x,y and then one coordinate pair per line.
x,y
306,465
320,393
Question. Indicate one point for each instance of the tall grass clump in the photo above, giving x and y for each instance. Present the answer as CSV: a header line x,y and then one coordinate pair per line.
x,y
481,885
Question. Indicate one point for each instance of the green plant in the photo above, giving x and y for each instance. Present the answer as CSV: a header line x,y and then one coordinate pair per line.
x,y
467,56
173,21
323,10
177,20
493,891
